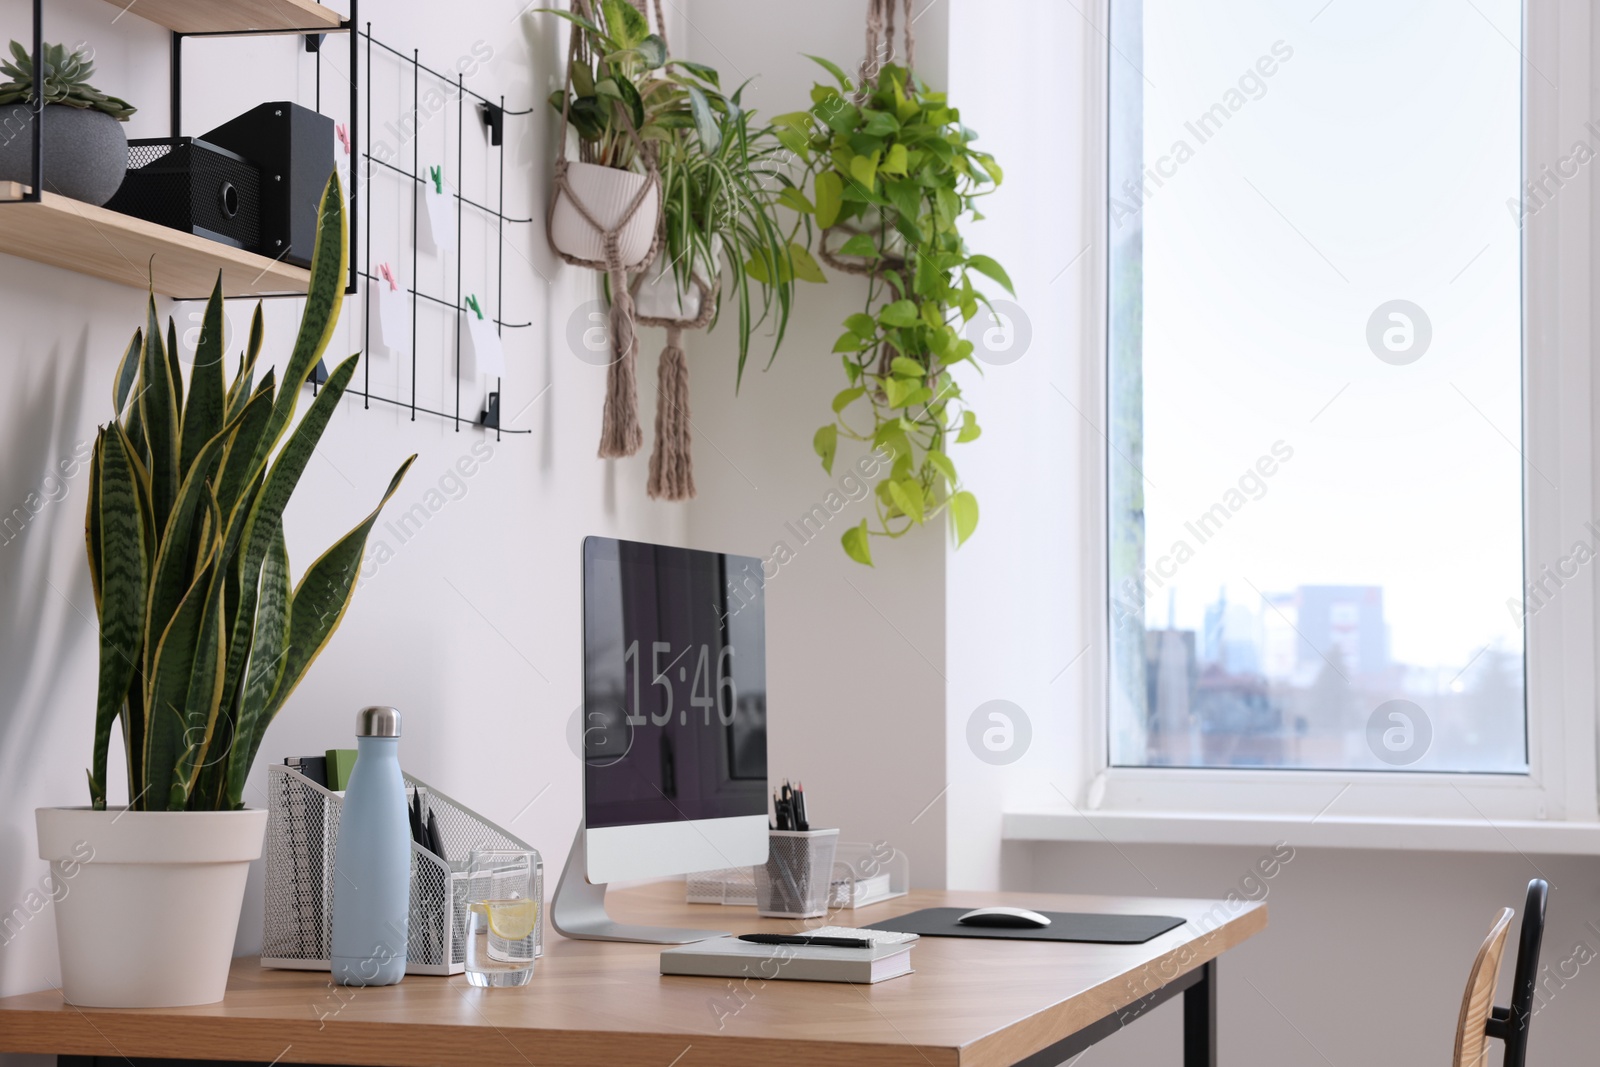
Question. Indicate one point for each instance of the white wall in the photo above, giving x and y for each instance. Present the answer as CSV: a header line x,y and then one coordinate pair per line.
x,y
856,656
470,629
1013,591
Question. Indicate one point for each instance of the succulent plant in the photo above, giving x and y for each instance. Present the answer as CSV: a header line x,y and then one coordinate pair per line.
x,y
66,81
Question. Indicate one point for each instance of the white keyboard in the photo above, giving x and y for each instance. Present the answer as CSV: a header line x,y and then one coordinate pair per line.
x,y
877,937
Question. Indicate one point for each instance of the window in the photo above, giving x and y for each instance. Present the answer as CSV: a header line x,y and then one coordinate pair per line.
x,y
1316,468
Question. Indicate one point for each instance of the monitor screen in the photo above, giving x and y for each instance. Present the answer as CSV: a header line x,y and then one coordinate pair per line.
x,y
674,685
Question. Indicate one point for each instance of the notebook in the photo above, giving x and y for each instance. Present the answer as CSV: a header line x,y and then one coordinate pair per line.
x,y
728,957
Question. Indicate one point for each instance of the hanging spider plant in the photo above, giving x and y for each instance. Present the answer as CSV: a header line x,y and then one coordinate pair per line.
x,y
722,185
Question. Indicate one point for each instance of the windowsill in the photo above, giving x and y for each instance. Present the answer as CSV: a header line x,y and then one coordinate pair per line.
x,y
1327,831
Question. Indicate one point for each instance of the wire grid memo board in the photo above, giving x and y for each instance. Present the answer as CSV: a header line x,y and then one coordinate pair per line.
x,y
393,173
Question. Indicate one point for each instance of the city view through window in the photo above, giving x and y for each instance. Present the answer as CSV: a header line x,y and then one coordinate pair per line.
x,y
1315,387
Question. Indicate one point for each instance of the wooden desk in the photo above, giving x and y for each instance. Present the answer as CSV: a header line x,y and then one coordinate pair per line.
x,y
971,1002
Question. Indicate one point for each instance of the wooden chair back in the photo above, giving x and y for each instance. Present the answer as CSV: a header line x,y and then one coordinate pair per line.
x,y
1472,1039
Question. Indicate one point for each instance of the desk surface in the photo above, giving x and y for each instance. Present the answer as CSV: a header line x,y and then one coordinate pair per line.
x,y
969,1002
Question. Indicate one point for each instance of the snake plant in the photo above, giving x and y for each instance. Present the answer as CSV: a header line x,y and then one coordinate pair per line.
x,y
202,637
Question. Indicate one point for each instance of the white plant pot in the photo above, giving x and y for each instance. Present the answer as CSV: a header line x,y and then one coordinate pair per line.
x,y
658,296
149,902
606,193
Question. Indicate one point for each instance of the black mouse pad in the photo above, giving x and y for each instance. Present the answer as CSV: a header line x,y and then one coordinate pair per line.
x,y
1064,926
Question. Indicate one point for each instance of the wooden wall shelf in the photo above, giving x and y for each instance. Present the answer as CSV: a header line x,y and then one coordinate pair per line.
x,y
107,244
235,16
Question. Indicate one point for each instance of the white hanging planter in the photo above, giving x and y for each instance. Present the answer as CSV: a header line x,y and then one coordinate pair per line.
x,y
658,295
150,903
606,194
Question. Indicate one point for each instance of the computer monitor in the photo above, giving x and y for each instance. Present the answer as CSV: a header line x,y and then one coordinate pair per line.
x,y
674,724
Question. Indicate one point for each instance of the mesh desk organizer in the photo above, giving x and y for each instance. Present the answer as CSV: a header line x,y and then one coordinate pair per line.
x,y
302,832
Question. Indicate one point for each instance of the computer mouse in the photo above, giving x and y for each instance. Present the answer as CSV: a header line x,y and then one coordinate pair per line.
x,y
1016,918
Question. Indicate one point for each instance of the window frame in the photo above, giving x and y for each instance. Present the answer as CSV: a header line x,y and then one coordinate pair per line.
x,y
1558,417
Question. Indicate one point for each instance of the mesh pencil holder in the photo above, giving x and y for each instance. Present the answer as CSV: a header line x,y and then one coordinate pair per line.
x,y
302,833
794,882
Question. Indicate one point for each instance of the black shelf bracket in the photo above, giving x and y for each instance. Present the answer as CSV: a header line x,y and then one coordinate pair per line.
x,y
34,193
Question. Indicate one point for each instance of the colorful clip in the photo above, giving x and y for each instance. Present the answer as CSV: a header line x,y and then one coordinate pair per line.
x,y
472,302
343,134
437,174
387,275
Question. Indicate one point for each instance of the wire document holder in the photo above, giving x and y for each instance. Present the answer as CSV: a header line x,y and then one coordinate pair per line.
x,y
302,834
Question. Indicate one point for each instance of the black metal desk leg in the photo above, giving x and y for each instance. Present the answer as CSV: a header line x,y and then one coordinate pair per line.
x,y
1200,1020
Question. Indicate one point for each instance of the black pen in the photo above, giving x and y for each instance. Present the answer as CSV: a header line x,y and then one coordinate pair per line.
x,y
414,813
435,837
806,939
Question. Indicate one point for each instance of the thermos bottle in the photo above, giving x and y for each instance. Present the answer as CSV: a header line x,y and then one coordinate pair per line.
x,y
372,863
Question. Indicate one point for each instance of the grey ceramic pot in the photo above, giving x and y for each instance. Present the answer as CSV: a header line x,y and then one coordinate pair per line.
x,y
85,151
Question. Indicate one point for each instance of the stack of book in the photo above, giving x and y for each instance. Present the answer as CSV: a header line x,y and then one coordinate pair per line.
x,y
729,957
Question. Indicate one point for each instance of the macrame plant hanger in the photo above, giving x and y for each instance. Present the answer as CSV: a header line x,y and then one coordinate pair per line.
x,y
880,51
620,434
672,460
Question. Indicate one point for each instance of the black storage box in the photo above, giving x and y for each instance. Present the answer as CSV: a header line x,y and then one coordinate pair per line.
x,y
190,185
293,146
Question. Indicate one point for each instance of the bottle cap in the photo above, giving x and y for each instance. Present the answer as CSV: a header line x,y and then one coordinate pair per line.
x,y
377,721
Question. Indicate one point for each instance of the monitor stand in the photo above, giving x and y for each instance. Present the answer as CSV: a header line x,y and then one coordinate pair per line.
x,y
578,909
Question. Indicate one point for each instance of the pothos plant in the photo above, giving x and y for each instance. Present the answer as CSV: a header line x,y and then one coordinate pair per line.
x,y
892,180
720,172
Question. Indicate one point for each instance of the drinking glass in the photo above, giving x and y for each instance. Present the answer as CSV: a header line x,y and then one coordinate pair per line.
x,y
503,905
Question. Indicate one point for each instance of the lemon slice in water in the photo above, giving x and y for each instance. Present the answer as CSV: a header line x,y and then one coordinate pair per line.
x,y
512,920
